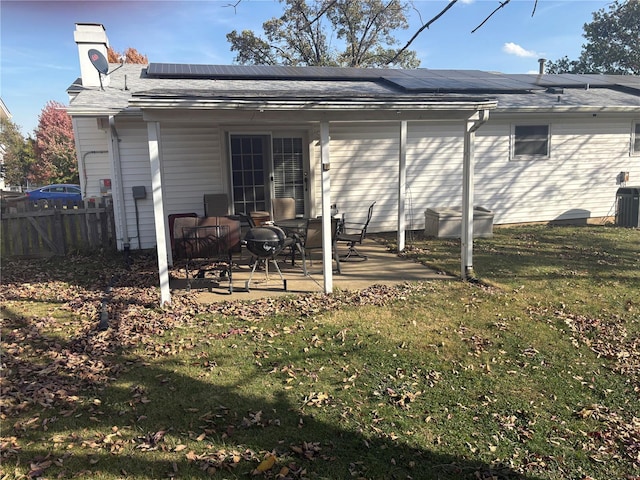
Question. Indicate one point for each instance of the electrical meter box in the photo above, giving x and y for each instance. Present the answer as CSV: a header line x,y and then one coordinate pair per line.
x,y
139,192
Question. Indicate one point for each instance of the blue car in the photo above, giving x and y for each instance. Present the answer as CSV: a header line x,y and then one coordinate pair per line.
x,y
65,192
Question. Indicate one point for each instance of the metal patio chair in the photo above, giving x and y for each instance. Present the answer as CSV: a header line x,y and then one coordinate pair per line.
x,y
312,240
353,234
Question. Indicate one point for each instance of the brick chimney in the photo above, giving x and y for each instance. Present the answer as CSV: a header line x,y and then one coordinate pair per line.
x,y
88,36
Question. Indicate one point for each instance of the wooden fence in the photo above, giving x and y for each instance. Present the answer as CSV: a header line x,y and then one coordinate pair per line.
x,y
29,230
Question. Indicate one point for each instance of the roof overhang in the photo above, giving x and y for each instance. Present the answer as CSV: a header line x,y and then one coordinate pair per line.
x,y
309,108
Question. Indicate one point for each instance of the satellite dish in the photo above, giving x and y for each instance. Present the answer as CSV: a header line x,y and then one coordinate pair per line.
x,y
98,61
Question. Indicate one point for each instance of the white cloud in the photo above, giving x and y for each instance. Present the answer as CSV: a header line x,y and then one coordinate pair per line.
x,y
515,49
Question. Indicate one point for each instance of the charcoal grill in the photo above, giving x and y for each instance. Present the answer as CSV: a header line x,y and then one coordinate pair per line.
x,y
266,243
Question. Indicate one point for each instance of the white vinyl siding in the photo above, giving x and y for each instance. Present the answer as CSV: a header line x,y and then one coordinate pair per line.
x,y
434,169
191,166
578,181
92,153
136,172
364,169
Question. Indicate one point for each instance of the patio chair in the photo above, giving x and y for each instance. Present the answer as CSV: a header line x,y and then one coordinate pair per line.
x,y
283,208
312,240
353,234
172,230
216,205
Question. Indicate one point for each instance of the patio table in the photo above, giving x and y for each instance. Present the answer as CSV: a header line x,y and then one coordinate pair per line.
x,y
293,225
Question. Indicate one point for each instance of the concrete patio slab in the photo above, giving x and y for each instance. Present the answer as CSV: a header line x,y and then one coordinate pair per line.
x,y
381,267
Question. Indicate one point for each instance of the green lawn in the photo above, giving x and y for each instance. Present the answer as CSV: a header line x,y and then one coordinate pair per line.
x,y
531,373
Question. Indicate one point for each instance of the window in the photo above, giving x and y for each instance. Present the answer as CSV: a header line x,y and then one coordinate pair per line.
x,y
530,142
635,139
288,176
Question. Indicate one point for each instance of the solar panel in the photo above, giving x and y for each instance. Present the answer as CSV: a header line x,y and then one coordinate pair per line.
x,y
173,70
410,81
458,81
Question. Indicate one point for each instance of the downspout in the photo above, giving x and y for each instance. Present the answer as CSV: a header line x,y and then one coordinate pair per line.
x,y
118,187
466,237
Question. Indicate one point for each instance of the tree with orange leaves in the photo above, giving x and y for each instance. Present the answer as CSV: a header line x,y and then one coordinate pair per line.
x,y
131,55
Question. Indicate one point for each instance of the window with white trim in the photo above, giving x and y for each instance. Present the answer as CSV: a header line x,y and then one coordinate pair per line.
x,y
635,139
530,142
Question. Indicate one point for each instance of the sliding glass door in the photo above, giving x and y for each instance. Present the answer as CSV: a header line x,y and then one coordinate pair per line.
x,y
288,173
249,158
265,167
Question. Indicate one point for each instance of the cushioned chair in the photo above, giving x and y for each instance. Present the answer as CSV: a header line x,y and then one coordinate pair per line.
x,y
172,230
353,234
216,205
283,208
207,245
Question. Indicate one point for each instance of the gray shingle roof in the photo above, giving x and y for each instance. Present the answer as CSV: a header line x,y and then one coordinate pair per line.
x,y
131,84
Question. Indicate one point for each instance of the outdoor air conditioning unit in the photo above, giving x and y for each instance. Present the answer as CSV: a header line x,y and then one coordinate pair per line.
x,y
628,207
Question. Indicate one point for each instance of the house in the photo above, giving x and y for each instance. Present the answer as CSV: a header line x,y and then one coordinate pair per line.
x,y
528,147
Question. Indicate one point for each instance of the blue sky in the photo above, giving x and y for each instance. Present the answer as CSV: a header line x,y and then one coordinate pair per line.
x,y
39,59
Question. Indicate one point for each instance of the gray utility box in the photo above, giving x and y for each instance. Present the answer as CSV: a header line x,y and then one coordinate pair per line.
x,y
628,207
446,222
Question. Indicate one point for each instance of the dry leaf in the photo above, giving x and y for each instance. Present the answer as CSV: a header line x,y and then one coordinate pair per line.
x,y
266,464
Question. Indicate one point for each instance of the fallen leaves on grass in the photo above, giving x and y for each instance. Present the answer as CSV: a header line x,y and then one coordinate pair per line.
x,y
86,359
213,461
307,450
151,441
316,399
616,434
255,419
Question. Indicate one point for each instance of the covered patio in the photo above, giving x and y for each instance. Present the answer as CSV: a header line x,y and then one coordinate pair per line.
x,y
381,267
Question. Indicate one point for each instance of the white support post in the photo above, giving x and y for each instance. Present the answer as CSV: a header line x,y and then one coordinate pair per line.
x,y
327,247
466,235
402,185
467,203
153,132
